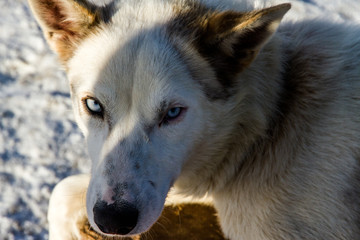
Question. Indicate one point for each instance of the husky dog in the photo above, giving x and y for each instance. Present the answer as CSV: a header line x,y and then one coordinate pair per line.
x,y
212,100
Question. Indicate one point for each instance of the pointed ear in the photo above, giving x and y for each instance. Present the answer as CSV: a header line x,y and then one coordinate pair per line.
x,y
65,22
230,41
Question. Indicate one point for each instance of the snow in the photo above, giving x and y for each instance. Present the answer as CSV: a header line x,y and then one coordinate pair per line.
x,y
39,140
40,143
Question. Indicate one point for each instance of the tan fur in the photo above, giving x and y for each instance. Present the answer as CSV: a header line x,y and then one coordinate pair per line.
x,y
181,218
65,23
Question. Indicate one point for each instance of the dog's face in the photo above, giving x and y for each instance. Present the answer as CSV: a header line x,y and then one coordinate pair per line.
x,y
142,116
150,94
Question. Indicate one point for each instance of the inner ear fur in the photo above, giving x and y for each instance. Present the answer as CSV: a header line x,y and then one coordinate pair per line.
x,y
230,40
66,22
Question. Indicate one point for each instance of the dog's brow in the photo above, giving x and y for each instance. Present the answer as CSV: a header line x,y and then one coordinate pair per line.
x,y
163,106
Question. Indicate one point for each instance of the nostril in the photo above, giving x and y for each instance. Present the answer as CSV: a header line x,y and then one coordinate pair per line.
x,y
118,218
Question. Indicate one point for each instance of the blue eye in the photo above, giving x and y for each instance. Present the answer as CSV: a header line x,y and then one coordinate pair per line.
x,y
93,106
173,113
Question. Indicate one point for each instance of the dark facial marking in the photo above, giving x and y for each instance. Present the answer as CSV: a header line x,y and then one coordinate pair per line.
x,y
120,190
152,184
191,24
137,165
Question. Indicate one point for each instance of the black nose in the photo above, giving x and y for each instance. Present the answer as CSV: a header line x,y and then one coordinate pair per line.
x,y
117,218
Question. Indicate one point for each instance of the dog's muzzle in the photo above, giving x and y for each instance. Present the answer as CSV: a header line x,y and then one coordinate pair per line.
x,y
118,218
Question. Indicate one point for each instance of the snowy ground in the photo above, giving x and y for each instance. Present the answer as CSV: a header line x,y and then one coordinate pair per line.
x,y
39,140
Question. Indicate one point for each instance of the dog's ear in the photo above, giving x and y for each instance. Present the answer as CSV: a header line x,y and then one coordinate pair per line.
x,y
66,22
230,41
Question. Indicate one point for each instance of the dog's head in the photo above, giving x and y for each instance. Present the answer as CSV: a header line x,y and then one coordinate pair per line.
x,y
152,83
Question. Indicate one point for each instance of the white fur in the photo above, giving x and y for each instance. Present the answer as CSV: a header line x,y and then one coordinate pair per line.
x,y
67,207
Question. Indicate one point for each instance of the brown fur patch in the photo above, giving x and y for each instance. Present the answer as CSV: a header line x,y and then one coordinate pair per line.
x,y
65,23
228,41
185,221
